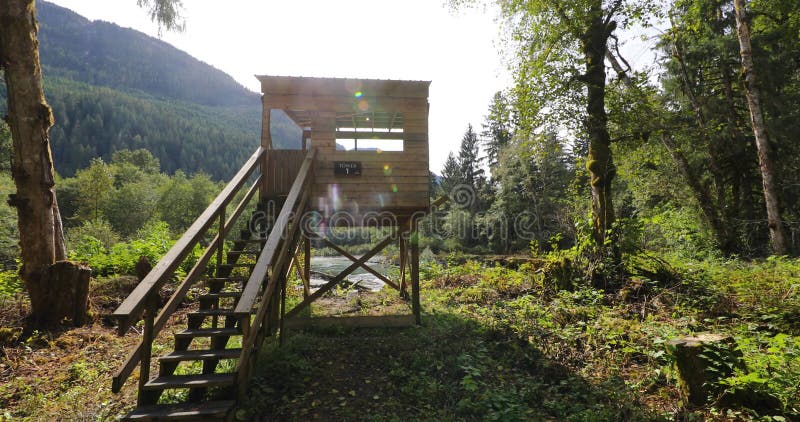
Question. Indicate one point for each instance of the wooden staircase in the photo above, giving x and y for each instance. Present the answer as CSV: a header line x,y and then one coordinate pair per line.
x,y
215,322
241,303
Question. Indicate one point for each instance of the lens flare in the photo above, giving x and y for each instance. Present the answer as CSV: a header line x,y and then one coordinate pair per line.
x,y
358,94
363,105
387,170
394,188
333,197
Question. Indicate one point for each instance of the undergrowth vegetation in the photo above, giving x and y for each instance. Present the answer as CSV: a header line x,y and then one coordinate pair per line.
x,y
623,334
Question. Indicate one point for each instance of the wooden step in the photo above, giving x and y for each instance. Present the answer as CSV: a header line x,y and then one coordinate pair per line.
x,y
262,241
210,312
211,410
226,279
190,381
208,332
190,355
243,252
220,295
237,265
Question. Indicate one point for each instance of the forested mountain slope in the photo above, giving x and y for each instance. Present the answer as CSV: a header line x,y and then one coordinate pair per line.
x,y
114,88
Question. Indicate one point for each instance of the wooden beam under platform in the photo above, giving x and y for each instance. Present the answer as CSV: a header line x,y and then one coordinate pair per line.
x,y
341,276
344,253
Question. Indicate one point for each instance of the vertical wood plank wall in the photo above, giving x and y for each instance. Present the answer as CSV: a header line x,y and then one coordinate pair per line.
x,y
281,170
390,180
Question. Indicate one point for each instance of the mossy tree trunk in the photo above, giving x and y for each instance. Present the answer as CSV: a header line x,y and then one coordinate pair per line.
x,y
600,162
30,119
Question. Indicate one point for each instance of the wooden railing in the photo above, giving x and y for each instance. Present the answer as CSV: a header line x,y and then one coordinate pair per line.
x,y
145,297
272,267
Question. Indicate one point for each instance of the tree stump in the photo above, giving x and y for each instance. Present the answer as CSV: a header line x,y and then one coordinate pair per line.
x,y
702,362
143,267
559,274
61,292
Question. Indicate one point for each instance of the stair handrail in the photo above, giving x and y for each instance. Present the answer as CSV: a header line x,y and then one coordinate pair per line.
x,y
276,235
135,303
270,262
136,356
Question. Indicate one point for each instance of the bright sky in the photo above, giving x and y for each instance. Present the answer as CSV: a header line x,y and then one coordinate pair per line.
x,y
381,39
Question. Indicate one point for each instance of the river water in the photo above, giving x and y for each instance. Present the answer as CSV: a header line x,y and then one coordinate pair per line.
x,y
333,265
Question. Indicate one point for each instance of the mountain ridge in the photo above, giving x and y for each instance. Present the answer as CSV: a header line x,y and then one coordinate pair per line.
x,y
63,32
115,88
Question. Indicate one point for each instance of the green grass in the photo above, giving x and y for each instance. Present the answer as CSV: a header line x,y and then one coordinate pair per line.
x,y
502,344
496,344
451,369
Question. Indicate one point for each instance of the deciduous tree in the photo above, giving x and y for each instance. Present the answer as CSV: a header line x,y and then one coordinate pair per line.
x,y
30,119
560,49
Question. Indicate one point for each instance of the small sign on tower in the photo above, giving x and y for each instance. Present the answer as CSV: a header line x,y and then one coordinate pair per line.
x,y
347,168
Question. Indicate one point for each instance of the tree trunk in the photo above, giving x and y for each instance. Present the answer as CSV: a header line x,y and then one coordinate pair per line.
x,y
30,119
777,231
737,148
702,124
599,162
720,229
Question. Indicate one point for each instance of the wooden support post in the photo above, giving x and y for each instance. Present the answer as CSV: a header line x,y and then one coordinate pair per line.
x,y
306,265
220,237
267,320
220,247
274,311
403,262
283,310
243,377
415,305
266,143
306,135
150,311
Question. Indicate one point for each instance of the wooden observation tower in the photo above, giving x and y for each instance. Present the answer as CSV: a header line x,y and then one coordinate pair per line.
x,y
371,138
363,162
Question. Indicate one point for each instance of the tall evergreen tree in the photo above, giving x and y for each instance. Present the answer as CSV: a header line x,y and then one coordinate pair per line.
x,y
469,159
451,174
497,128
717,153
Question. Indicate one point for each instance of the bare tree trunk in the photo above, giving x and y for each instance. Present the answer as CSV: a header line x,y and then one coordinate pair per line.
x,y
714,212
702,123
722,233
777,231
30,119
600,162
